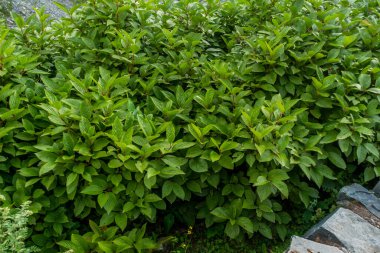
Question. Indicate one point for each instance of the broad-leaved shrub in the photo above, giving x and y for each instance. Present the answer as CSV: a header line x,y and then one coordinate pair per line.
x,y
232,112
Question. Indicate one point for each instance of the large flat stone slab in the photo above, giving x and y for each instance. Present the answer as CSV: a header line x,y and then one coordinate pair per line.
x,y
358,193
361,210
347,230
301,245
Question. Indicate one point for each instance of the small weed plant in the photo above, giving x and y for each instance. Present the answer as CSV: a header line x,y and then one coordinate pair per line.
x,y
14,230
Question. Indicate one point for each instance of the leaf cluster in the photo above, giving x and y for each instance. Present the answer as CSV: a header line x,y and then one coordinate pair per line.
x,y
230,112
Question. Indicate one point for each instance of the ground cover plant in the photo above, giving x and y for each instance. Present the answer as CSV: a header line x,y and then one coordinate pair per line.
x,y
14,230
128,117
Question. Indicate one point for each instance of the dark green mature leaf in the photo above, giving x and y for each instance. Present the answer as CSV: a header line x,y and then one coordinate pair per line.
x,y
221,213
361,153
337,160
178,191
264,191
265,230
198,165
277,175
282,231
282,187
245,223
232,230
93,189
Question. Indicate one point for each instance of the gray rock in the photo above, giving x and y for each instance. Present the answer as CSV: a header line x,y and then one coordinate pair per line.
x,y
302,245
319,234
25,7
358,193
376,189
361,210
346,230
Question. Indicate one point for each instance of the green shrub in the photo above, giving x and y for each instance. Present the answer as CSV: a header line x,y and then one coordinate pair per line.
x,y
135,112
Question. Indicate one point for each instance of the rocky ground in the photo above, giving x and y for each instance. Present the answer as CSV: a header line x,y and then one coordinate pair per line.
x,y
25,7
352,228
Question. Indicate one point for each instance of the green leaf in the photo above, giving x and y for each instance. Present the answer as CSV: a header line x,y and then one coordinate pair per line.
x,y
198,165
29,127
258,68
183,145
246,224
106,246
277,175
93,190
196,132
68,142
46,156
58,216
282,187
169,172
369,174
232,230
228,145
167,188
29,172
47,167
226,162
68,245
71,178
372,149
102,199
282,231
111,202
261,180
214,180
238,190
265,230
374,90
99,144
349,39
115,163
174,161
152,198
365,81
304,196
170,133
145,244
221,213
337,160
124,242
278,51
117,128
361,153
5,130
214,156
264,191
128,207
297,6
194,186
121,220
325,171
178,191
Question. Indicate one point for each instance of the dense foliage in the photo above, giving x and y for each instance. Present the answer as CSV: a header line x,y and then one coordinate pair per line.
x,y
131,113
